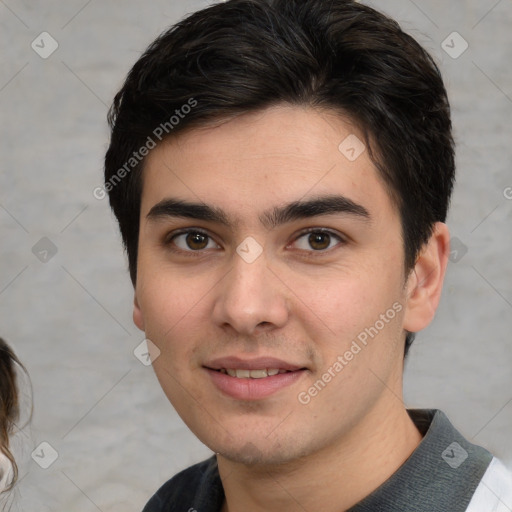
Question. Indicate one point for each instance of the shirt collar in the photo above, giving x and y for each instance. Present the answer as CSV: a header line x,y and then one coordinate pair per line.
x,y
441,474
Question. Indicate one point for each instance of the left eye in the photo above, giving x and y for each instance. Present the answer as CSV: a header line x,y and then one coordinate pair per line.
x,y
194,241
317,240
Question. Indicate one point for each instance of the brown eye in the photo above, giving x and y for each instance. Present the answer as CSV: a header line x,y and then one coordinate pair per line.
x,y
319,241
193,241
197,241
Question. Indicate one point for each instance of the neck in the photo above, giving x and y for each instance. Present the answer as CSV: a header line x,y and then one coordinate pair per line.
x,y
333,479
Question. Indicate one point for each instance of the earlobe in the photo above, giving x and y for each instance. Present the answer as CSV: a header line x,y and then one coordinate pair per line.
x,y
138,318
425,282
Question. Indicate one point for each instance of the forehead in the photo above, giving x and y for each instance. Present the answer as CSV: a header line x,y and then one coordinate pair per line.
x,y
256,160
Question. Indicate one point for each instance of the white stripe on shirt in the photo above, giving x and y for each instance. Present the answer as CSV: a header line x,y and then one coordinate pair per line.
x,y
494,493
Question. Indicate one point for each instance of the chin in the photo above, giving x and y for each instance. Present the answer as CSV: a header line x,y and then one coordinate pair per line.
x,y
262,452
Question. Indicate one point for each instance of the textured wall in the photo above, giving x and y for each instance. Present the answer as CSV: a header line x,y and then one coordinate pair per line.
x,y
65,300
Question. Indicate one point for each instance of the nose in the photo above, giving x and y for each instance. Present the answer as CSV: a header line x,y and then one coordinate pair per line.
x,y
251,298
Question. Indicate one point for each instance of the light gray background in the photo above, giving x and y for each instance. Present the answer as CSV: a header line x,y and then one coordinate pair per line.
x,y
69,319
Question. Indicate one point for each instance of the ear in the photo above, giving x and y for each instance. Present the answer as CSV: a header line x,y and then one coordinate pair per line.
x,y
425,281
138,317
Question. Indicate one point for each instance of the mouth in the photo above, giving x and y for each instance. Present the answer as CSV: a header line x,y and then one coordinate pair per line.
x,y
241,373
252,379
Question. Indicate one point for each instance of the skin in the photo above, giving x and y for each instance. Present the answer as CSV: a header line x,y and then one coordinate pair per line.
x,y
300,302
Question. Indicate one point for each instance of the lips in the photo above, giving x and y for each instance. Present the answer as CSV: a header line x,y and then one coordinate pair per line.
x,y
252,379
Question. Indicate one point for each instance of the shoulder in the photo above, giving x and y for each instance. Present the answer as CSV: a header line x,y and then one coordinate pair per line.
x,y
494,492
195,488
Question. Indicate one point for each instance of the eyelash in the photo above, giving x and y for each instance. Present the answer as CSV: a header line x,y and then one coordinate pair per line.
x,y
169,239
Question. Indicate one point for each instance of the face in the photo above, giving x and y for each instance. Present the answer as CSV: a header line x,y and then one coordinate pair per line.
x,y
264,249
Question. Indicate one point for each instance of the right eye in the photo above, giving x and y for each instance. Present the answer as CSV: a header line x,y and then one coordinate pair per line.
x,y
192,241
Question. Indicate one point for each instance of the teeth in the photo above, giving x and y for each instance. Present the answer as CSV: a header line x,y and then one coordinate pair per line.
x,y
252,374
257,374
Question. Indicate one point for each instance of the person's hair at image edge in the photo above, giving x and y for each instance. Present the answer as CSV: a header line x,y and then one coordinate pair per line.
x,y
336,55
9,407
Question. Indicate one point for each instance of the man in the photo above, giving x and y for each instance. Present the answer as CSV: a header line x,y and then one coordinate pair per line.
x,y
281,173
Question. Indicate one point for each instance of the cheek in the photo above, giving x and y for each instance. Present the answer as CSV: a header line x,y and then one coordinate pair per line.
x,y
361,346
176,307
173,316
346,301
365,306
164,311
167,297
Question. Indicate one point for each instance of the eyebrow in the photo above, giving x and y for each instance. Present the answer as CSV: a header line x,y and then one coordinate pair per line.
x,y
297,210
